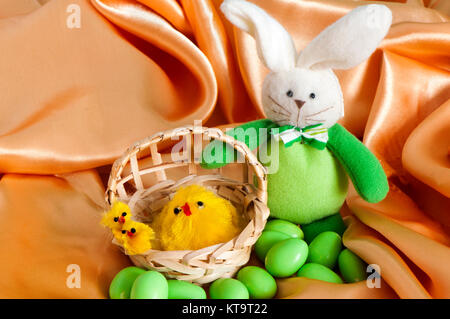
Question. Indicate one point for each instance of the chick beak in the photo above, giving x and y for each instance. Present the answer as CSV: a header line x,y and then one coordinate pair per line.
x,y
299,103
121,219
130,234
187,209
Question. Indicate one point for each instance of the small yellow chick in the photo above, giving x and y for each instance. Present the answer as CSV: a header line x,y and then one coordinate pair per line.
x,y
116,217
136,237
196,218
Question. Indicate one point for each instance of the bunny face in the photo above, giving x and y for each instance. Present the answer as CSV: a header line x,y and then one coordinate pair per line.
x,y
302,89
302,97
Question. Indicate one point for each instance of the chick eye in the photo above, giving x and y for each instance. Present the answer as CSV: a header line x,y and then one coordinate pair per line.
x,y
124,214
116,219
177,210
124,231
312,96
200,204
290,93
133,230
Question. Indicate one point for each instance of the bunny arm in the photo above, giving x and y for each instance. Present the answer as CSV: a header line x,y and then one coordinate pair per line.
x,y
209,159
361,165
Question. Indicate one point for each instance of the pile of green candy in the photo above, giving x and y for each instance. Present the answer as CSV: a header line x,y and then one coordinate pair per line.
x,y
282,250
137,283
251,282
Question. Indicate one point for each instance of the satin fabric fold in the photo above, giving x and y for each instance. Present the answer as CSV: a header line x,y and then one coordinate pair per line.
x,y
74,99
89,92
172,12
211,37
51,229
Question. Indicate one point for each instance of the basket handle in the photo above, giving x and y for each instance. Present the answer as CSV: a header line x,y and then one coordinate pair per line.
x,y
212,133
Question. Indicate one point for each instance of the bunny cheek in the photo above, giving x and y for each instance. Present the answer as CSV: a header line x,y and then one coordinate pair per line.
x,y
278,105
325,106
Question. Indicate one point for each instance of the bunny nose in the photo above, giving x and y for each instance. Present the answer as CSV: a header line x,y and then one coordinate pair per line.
x,y
299,103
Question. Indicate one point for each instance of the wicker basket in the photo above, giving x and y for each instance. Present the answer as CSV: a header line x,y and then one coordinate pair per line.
x,y
141,178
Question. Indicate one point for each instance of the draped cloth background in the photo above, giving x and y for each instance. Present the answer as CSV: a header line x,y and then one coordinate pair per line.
x,y
73,99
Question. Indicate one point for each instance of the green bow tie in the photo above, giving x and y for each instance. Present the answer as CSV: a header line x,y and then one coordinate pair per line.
x,y
313,135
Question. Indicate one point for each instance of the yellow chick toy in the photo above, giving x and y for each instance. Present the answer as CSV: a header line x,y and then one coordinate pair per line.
x,y
136,237
116,217
196,218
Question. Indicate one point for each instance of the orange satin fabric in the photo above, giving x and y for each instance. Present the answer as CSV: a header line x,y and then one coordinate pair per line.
x,y
52,224
74,99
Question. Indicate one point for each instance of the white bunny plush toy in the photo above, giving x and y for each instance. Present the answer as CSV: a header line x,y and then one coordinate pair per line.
x,y
303,101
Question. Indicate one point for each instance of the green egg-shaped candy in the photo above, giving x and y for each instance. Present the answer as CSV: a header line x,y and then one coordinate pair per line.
x,y
325,249
286,257
352,268
228,288
150,285
285,227
267,239
120,287
179,289
319,272
260,284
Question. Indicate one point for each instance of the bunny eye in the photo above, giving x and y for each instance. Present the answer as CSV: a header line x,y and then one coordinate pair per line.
x,y
312,96
290,93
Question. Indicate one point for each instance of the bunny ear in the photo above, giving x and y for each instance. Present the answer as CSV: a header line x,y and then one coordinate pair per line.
x,y
274,44
349,41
